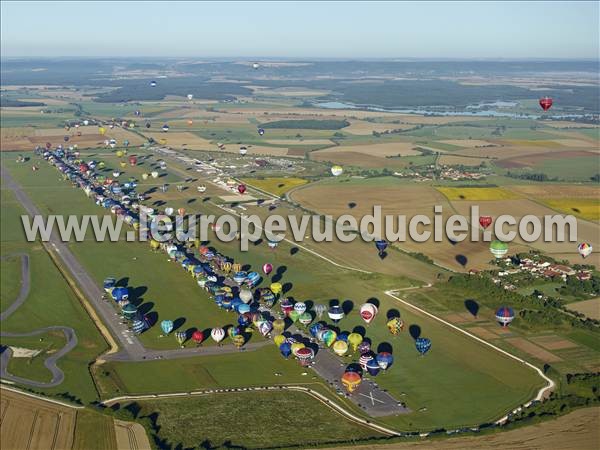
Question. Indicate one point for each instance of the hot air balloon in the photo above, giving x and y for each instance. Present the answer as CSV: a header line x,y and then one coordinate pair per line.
x,y
166,326
217,334
278,340
181,211
329,337
276,288
243,150
422,345
351,381
585,249
169,211
297,346
278,326
381,245
354,339
368,311
66,138
138,326
133,160
255,65
320,309
148,125
101,130
335,313
190,96
129,311
305,318
498,248
372,367
285,349
109,284
261,131
153,83
246,295
395,325
294,315
336,171
546,103
165,128
267,268
198,336
384,360
119,294
300,307
305,355
485,221
364,359
364,347
244,320
201,188
238,340
180,336
241,188
340,348
154,174
315,328
505,315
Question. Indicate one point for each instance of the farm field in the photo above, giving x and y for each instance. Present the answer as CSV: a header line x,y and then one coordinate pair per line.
x,y
591,308
275,186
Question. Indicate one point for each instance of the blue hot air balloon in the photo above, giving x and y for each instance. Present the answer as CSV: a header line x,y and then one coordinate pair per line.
x,y
226,303
244,320
381,246
239,277
285,349
373,367
109,284
423,345
315,328
138,326
261,131
505,315
120,293
166,326
153,83
384,360
343,336
252,278
243,308
236,302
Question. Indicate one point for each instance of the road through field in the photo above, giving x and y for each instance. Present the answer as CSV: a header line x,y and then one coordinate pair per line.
x,y
50,362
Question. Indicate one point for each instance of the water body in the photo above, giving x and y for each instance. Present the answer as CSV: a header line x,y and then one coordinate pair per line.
x,y
472,113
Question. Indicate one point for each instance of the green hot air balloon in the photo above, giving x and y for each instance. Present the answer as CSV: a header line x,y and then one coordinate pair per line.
x,y
305,318
498,248
294,315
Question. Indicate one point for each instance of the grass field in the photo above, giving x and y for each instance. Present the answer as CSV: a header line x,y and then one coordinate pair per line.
x,y
477,193
94,431
250,420
275,186
33,367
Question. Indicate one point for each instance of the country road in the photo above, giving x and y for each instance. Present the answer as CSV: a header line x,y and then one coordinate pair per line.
x,y
50,362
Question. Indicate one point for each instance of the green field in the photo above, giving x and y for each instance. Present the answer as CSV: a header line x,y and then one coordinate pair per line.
x,y
94,431
33,367
262,419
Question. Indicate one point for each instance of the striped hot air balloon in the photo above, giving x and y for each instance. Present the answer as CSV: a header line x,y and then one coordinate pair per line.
x,y
505,315
498,248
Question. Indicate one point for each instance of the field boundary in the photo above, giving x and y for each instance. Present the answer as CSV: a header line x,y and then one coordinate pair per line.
x,y
39,397
317,395
541,393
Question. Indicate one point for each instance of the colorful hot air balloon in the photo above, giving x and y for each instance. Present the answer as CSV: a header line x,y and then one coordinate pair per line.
x,y
364,359
485,221
241,188
498,248
336,171
368,311
101,130
238,340
335,313
197,336
261,131
166,326
354,339
165,128
181,211
305,318
129,311
217,334
372,367
180,336
315,328
364,347
297,346
505,315
384,360
320,309
340,348
351,381
329,337
138,326
265,327
585,249
109,284
305,355
381,245
243,150
285,349
422,345
546,103
119,294
267,268
395,325
278,326
300,307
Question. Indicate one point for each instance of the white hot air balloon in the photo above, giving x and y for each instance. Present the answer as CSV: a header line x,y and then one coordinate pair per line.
x,y
169,211
217,334
336,171
154,174
246,295
190,96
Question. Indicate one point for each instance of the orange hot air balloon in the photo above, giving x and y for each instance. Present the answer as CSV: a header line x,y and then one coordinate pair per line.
x,y
190,122
351,381
181,211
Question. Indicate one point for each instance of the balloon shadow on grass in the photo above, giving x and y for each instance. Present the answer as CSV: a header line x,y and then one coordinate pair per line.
x,y
385,347
392,313
461,259
178,323
145,307
472,306
347,306
414,331
294,250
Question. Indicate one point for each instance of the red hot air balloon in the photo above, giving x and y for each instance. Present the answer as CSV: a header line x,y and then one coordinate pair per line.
x,y
241,188
485,221
267,268
546,103
197,336
133,160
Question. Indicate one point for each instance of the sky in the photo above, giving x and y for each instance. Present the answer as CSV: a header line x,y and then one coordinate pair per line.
x,y
551,30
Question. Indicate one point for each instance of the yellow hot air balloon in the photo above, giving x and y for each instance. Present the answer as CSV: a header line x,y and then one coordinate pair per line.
x,y
236,267
395,325
226,267
279,339
101,130
122,163
154,244
340,348
278,326
163,141
238,340
354,339
144,176
297,346
120,153
276,288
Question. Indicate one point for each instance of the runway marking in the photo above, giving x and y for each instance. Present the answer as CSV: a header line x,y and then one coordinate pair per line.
x,y
370,397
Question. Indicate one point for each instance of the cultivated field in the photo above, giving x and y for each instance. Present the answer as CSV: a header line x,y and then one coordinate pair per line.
x,y
591,308
275,186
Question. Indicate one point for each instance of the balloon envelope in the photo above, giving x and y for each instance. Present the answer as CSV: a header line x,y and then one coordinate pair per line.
x,y
351,381
340,348
505,315
217,334
267,268
384,360
422,345
546,103
585,249
166,326
368,311
197,336
485,221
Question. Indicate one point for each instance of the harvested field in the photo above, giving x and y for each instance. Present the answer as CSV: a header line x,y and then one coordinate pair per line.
x,y
576,430
181,139
453,160
15,138
545,191
533,160
469,143
477,194
531,349
545,143
577,143
275,186
365,128
588,208
379,150
591,308
357,159
131,436
299,142
30,423
554,342
483,333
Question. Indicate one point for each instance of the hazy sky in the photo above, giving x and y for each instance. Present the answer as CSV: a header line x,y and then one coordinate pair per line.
x,y
302,29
